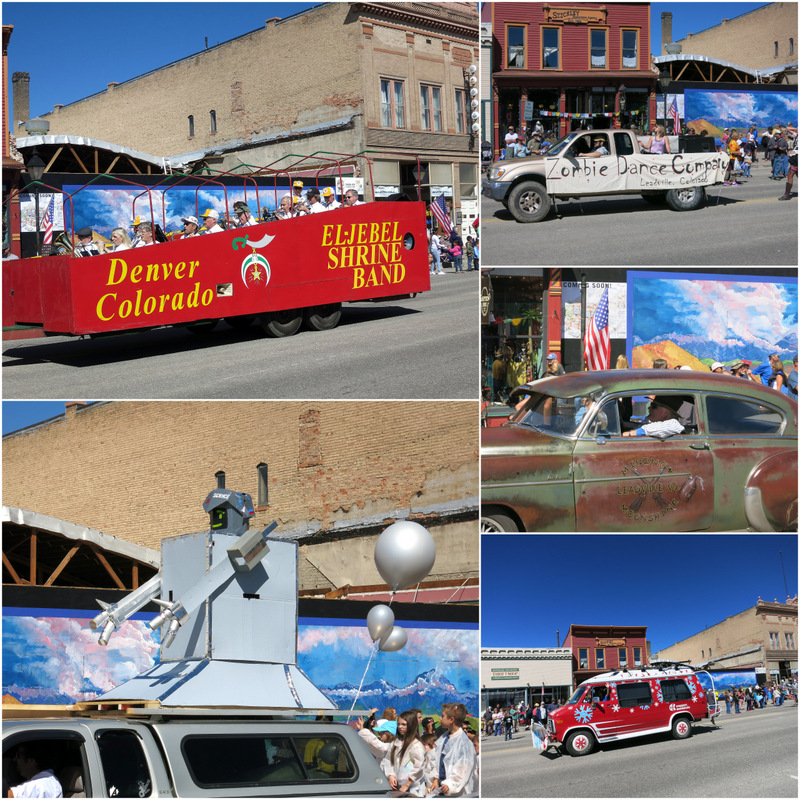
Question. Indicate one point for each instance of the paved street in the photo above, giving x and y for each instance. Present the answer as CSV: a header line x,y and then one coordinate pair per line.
x,y
740,226
426,347
749,755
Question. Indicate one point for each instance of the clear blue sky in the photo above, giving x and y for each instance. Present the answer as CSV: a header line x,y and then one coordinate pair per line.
x,y
676,585
690,17
73,50
21,413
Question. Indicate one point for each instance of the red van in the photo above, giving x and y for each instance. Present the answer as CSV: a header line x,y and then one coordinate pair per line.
x,y
627,703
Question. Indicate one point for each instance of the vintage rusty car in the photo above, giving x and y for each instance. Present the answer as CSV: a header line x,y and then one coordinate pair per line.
x,y
566,459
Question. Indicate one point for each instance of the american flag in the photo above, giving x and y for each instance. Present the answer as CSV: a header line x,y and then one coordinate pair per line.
x,y
674,115
597,346
439,210
47,221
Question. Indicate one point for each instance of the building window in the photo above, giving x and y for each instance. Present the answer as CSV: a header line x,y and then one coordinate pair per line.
x,y
791,46
583,658
598,47
263,484
774,641
630,49
600,658
550,42
515,45
789,638
393,107
776,49
213,121
431,102
191,126
461,111
623,657
637,656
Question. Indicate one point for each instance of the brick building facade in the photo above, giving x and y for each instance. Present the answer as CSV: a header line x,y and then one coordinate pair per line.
x,y
571,65
325,471
763,636
341,78
602,648
761,39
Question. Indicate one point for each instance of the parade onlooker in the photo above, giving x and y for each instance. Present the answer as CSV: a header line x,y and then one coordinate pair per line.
x,y
433,248
733,151
780,161
553,367
455,755
469,251
508,723
497,718
791,380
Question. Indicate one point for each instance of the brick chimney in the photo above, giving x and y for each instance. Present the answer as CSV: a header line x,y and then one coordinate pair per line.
x,y
666,30
21,82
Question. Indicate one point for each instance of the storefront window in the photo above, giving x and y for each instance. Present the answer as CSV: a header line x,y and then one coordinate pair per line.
x,y
630,49
598,45
550,48
515,47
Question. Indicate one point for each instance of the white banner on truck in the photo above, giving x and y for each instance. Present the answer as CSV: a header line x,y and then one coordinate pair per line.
x,y
607,174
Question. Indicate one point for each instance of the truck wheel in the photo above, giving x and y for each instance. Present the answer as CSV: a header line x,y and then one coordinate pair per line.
x,y
240,323
529,202
497,522
681,728
654,197
580,743
686,199
282,323
323,318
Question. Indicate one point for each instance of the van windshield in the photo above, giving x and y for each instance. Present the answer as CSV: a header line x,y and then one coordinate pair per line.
x,y
576,696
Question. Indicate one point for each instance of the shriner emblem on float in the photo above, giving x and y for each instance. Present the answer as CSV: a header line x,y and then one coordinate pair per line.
x,y
255,270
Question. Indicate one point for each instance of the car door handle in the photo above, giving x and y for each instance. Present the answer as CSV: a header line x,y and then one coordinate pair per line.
x,y
699,445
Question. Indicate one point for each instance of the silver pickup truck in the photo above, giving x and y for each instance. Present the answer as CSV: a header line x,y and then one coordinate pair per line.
x,y
528,186
217,754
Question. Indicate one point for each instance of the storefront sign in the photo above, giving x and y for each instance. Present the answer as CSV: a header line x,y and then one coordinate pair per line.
x,y
610,643
576,15
527,110
505,674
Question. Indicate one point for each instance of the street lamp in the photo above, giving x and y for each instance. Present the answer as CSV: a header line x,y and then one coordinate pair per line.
x,y
664,80
36,167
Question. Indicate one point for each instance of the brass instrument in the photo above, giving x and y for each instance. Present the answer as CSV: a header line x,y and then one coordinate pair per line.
x,y
62,245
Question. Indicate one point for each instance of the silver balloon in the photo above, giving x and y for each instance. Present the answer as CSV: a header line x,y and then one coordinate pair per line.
x,y
396,640
404,554
380,619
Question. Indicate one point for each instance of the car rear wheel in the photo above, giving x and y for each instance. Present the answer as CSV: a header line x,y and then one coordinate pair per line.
x,y
497,522
686,199
529,202
681,728
282,323
580,743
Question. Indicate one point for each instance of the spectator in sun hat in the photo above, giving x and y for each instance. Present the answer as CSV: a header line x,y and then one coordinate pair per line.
x,y
553,367
718,367
329,199
211,221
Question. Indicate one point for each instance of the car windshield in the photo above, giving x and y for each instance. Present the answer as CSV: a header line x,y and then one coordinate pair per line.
x,y
561,416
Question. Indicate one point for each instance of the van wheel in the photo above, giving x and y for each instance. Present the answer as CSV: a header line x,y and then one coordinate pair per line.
x,y
686,199
681,728
529,202
580,743
497,522
323,318
282,323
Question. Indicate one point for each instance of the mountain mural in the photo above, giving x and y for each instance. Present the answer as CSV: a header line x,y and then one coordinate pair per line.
x,y
428,691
